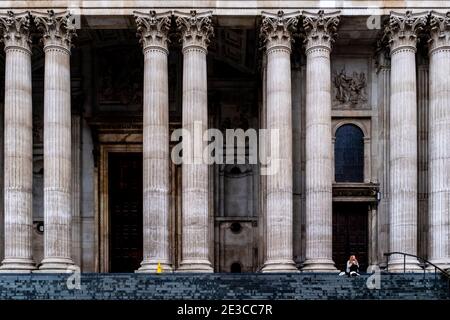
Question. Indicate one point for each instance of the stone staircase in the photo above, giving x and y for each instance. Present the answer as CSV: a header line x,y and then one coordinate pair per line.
x,y
301,286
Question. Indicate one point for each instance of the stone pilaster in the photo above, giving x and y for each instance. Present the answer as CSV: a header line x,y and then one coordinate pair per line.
x,y
422,153
298,63
18,175
263,178
57,35
76,189
373,237
383,149
439,140
2,162
153,30
276,33
320,31
196,30
402,32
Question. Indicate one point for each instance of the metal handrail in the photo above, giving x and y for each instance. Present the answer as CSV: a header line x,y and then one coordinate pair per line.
x,y
424,261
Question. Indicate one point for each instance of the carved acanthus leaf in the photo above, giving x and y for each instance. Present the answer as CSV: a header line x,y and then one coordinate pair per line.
x,y
15,29
439,30
382,56
278,29
320,28
196,28
403,28
57,28
153,28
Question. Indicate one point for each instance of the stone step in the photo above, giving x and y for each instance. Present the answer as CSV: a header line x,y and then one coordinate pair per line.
x,y
222,286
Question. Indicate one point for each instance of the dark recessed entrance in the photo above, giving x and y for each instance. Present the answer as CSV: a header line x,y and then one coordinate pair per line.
x,y
350,234
125,207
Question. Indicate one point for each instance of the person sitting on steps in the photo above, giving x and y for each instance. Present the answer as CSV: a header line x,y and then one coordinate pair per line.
x,y
352,269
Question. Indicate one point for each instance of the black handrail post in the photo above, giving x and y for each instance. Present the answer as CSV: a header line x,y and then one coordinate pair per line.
x,y
404,263
387,263
424,264
435,274
448,285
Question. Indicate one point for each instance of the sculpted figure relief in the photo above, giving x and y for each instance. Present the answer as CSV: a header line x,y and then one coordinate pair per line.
x,y
350,91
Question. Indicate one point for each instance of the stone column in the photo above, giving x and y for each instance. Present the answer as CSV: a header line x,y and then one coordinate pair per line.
x,y
402,33
153,31
18,176
57,35
196,30
277,36
439,141
320,30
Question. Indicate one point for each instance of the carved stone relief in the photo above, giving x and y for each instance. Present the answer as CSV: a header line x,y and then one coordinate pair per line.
x,y
350,83
119,79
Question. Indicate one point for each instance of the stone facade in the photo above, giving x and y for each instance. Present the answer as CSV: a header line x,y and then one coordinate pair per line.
x,y
80,88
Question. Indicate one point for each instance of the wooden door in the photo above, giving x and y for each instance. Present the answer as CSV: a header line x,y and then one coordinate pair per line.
x,y
125,203
350,234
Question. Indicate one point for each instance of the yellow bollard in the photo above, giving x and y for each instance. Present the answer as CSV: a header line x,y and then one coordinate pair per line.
x,y
159,268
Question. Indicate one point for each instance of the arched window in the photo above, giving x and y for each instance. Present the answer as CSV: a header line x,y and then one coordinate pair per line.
x,y
349,154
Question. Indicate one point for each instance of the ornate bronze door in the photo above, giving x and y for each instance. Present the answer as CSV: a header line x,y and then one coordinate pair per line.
x,y
125,203
350,234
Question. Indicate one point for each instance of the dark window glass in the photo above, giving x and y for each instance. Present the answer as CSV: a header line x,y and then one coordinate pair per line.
x,y
349,154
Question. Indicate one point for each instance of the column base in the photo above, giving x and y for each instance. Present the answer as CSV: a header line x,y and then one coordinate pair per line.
x,y
279,266
57,265
444,264
152,267
319,265
195,266
17,265
373,267
398,265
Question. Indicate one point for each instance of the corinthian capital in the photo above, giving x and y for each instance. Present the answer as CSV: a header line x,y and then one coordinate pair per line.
x,y
57,28
277,29
15,29
196,28
403,29
439,30
153,29
320,29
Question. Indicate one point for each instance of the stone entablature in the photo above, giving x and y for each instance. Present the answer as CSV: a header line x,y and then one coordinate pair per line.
x,y
229,8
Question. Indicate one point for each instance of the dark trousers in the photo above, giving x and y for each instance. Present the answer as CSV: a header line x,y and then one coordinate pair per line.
x,y
354,267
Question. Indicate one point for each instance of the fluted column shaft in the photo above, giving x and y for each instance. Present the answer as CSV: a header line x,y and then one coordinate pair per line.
x,y
196,30
319,152
403,140
57,143
18,175
153,30
439,141
279,118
